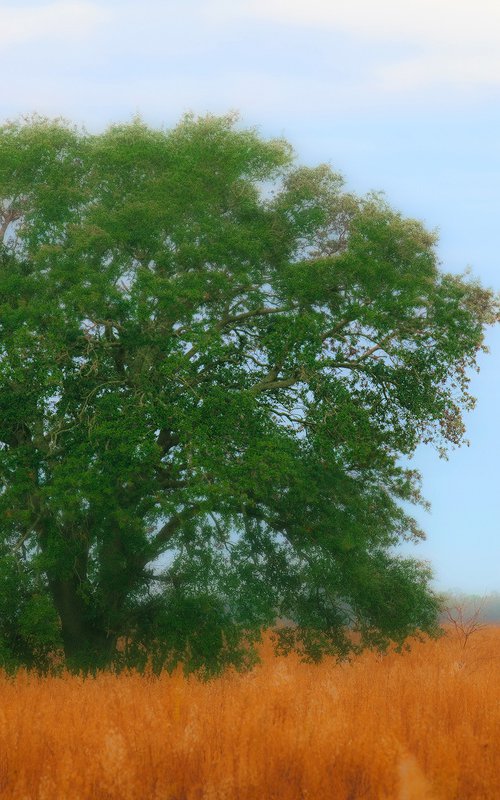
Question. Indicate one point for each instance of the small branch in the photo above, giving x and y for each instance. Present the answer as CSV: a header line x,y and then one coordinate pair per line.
x,y
465,622
229,319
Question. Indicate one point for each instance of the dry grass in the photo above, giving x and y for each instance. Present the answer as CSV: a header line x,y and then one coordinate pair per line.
x,y
425,724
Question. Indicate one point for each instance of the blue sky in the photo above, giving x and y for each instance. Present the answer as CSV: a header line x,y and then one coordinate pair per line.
x,y
398,96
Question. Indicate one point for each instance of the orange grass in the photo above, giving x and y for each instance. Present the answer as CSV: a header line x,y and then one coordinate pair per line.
x,y
424,724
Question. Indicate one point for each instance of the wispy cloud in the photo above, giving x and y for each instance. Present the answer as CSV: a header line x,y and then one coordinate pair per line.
x,y
52,21
269,58
452,22
467,72
449,42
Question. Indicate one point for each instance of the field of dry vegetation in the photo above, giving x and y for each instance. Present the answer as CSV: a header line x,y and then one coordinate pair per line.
x,y
424,724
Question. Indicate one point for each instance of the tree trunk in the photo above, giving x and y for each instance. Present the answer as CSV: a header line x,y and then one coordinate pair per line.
x,y
85,643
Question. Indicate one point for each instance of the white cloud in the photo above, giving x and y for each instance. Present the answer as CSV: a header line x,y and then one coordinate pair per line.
x,y
449,42
267,57
452,22
467,72
59,20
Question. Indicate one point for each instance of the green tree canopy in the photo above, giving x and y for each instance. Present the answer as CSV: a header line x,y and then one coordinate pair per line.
x,y
213,364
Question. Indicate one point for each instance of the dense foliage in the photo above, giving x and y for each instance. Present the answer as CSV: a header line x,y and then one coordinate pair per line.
x,y
212,363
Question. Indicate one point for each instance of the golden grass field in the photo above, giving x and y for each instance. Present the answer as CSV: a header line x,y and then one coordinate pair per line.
x,y
424,724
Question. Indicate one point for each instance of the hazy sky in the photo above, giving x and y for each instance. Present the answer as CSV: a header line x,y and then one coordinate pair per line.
x,y
399,95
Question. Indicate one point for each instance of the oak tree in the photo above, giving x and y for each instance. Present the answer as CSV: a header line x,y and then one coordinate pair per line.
x,y
214,365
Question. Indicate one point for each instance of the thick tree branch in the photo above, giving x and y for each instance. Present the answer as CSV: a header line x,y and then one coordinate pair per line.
x,y
171,527
166,440
268,385
6,217
336,328
26,535
257,312
18,435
